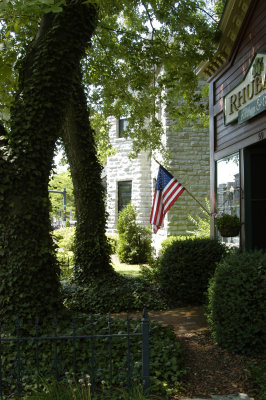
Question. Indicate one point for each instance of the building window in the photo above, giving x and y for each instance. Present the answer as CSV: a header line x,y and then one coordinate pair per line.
x,y
228,190
123,123
124,194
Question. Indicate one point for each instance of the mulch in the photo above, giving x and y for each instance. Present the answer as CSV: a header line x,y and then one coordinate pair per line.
x,y
212,370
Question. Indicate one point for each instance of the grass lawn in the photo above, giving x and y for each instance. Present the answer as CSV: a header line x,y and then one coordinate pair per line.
x,y
125,269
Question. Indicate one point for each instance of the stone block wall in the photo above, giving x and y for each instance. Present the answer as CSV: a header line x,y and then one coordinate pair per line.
x,y
189,163
120,168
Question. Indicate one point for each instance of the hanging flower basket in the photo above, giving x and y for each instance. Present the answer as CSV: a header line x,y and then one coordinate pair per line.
x,y
227,225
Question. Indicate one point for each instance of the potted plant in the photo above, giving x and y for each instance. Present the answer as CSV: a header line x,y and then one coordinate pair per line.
x,y
228,225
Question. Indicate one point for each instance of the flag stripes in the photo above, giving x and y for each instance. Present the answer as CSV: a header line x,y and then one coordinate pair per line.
x,y
167,191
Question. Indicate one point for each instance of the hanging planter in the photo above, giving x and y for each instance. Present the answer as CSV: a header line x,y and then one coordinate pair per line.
x,y
227,225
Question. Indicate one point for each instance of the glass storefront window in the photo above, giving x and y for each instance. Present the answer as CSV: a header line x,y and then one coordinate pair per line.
x,y
228,190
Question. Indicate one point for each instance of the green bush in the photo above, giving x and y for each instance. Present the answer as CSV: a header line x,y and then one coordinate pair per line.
x,y
171,239
113,294
258,374
112,239
185,267
134,246
67,224
237,302
64,238
166,360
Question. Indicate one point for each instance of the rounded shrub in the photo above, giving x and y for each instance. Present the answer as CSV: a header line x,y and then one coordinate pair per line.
x,y
237,302
185,268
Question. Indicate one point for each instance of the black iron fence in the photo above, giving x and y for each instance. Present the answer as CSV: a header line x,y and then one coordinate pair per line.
x,y
28,356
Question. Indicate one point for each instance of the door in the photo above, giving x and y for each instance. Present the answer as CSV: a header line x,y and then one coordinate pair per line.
x,y
255,196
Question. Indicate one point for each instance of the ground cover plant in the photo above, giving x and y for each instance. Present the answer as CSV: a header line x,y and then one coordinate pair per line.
x,y
113,294
92,356
70,389
237,302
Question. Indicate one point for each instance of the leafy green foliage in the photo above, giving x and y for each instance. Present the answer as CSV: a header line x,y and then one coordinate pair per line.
x,y
29,272
81,390
65,238
130,40
201,223
41,71
65,242
166,359
171,239
258,374
237,302
134,244
185,268
228,225
112,239
59,182
113,293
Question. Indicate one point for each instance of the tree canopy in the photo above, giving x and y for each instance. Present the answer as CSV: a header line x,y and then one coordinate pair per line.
x,y
143,54
64,66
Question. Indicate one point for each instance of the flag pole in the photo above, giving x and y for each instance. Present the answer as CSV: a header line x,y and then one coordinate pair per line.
x,y
188,192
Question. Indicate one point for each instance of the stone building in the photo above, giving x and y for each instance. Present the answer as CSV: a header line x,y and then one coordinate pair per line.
x,y
134,180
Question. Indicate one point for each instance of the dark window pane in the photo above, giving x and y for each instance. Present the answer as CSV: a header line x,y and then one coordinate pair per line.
x,y
124,194
123,123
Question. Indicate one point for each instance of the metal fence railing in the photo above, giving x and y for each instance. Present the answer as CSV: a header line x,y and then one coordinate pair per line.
x,y
28,355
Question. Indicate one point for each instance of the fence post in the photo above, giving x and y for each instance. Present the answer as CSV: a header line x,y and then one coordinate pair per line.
x,y
145,353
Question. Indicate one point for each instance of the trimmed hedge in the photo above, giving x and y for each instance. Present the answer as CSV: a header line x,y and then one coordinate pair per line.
x,y
185,268
237,302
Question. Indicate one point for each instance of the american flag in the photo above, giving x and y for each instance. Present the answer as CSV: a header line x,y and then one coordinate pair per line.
x,y
167,190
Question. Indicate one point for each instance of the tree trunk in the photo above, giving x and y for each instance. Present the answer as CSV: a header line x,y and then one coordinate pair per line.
x,y
29,275
92,253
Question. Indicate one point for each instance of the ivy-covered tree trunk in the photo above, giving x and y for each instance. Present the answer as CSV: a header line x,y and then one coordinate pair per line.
x,y
29,275
92,253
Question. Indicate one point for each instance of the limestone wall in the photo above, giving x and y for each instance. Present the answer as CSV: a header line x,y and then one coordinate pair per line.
x,y
120,168
189,163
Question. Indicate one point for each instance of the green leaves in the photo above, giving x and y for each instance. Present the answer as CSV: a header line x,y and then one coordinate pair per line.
x,y
237,302
123,68
185,267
